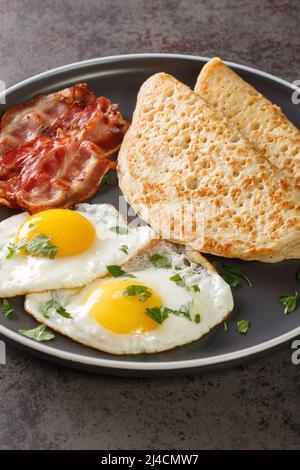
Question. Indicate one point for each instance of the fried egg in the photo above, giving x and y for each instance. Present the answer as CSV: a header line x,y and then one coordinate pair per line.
x,y
161,299
64,248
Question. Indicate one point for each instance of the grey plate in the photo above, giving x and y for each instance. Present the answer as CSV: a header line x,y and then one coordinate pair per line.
x,y
119,78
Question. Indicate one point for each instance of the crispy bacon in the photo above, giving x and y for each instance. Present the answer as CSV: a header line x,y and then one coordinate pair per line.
x,y
66,165
55,173
27,121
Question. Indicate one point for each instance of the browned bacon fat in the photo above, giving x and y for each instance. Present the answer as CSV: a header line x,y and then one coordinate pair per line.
x,y
67,163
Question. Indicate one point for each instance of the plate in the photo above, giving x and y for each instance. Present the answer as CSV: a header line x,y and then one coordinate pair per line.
x,y
119,78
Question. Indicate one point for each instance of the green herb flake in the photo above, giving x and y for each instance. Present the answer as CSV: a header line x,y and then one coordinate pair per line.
x,y
116,271
7,309
160,314
237,271
40,245
214,262
106,180
142,292
160,261
195,288
225,324
124,249
55,305
233,281
119,230
14,247
178,268
243,326
197,318
38,334
289,302
178,280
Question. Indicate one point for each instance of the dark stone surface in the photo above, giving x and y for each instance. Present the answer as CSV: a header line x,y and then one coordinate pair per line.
x,y
43,406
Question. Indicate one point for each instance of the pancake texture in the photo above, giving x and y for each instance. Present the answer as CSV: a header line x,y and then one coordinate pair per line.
x,y
181,151
262,122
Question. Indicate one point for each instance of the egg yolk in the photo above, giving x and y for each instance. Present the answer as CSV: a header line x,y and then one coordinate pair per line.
x,y
68,230
121,313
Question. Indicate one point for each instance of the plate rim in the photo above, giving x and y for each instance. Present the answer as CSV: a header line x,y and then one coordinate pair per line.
x,y
148,365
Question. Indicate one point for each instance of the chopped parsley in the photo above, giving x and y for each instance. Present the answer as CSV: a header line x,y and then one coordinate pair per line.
x,y
195,288
7,309
178,268
178,280
160,314
39,245
160,261
55,305
236,272
116,271
143,293
119,230
106,180
289,302
124,248
225,324
243,326
14,247
233,281
197,318
38,334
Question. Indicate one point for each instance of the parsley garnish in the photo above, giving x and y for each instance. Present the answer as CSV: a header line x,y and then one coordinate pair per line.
x,y
195,288
117,271
289,302
233,281
124,248
106,180
160,314
38,334
14,247
243,326
178,280
39,245
160,261
225,326
236,271
7,309
197,318
55,305
178,268
119,230
142,292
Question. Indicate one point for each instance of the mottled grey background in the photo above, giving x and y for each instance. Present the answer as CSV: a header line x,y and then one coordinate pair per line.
x,y
43,406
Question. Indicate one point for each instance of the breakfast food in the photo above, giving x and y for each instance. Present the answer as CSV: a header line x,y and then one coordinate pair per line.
x,y
61,248
26,121
262,122
179,149
164,298
67,164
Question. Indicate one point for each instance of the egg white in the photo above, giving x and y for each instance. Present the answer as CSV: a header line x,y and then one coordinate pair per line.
x,y
24,274
213,303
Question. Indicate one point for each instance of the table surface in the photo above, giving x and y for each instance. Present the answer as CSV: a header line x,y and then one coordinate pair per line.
x,y
44,406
